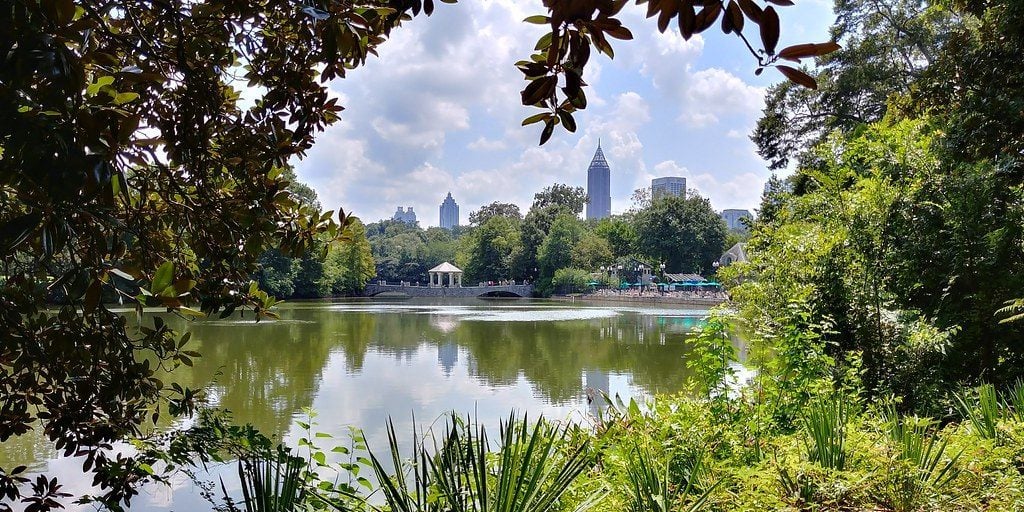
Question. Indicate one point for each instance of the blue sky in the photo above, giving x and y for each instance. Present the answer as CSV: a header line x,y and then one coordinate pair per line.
x,y
439,111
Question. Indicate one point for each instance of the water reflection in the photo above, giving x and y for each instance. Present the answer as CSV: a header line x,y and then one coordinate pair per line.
x,y
359,362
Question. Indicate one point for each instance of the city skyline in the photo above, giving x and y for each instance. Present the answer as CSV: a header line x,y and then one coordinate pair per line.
x,y
672,183
662,107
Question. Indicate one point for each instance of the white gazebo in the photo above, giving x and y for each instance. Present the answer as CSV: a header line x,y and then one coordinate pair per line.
x,y
438,274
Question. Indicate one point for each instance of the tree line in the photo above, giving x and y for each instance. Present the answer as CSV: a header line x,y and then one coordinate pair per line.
x,y
551,246
339,267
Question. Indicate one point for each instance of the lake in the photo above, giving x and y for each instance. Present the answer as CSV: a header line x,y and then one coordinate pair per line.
x,y
357,362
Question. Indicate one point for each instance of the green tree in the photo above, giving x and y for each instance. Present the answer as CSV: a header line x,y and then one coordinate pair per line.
x,y
620,232
349,265
772,200
127,161
309,280
440,246
557,249
491,249
547,205
592,251
684,233
276,273
494,209
563,197
397,249
886,45
570,280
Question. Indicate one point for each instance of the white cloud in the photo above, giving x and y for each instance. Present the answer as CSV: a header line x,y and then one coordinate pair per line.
x,y
715,92
484,144
439,110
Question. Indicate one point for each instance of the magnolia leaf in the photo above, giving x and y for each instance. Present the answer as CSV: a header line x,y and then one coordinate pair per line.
x,y
770,29
162,277
536,118
798,77
799,51
752,10
549,128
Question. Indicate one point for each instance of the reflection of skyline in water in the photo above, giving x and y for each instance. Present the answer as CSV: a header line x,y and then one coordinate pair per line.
x,y
359,363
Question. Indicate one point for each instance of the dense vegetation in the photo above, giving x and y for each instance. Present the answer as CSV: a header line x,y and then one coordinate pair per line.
x,y
551,242
900,240
881,310
330,268
886,277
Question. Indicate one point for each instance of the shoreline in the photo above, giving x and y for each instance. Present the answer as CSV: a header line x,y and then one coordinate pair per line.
x,y
643,299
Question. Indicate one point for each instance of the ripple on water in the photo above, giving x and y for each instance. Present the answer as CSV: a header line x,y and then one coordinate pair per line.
x,y
533,315
244,322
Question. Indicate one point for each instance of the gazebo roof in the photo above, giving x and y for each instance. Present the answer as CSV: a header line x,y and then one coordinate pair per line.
x,y
447,268
681,278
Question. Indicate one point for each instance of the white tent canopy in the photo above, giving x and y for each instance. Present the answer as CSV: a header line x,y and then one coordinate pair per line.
x,y
438,273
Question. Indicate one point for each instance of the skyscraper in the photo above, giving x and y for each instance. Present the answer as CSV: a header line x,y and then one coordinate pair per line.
x,y
599,186
406,216
449,212
732,218
669,185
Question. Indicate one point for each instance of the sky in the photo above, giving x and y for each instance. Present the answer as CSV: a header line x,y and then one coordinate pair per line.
x,y
439,111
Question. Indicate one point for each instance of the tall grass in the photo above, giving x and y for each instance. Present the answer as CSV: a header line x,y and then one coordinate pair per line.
x,y
1014,401
825,424
981,408
271,483
652,488
531,468
925,453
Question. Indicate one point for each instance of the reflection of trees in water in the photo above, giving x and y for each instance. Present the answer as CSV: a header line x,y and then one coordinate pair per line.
x,y
267,373
264,373
552,355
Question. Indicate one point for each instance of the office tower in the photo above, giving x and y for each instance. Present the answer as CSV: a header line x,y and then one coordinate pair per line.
x,y
668,186
449,212
732,218
404,215
599,186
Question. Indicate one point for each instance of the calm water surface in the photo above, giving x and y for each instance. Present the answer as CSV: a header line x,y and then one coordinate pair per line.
x,y
359,362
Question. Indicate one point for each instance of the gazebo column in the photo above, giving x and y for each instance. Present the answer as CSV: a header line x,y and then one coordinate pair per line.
x,y
459,277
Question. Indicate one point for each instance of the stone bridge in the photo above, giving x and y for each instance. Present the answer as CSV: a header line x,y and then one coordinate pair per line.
x,y
511,290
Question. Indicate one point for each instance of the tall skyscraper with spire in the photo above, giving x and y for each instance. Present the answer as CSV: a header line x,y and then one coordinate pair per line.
x,y
599,186
449,212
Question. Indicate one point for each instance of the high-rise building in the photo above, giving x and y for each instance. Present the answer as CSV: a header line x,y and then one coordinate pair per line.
x,y
732,218
668,186
406,216
449,212
599,186
447,356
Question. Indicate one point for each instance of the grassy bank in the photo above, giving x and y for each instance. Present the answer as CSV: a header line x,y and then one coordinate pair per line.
x,y
675,453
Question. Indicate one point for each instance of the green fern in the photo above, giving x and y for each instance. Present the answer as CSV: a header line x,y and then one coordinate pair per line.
x,y
1014,311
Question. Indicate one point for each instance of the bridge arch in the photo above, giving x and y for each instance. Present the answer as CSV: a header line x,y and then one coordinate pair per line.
x,y
518,290
499,294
